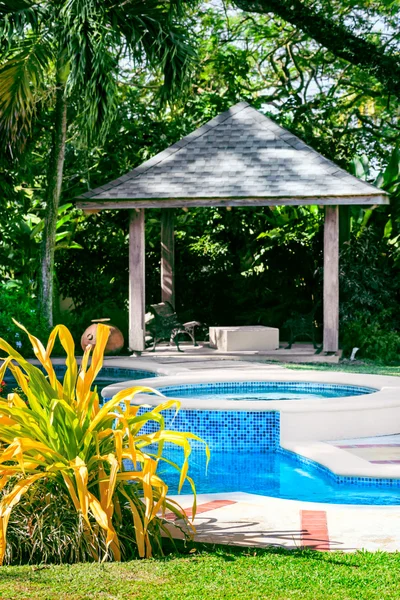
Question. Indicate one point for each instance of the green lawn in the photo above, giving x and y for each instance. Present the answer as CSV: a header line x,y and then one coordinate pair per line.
x,y
217,573
368,367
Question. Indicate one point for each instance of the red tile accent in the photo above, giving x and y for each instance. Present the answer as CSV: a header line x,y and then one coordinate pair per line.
x,y
207,506
314,530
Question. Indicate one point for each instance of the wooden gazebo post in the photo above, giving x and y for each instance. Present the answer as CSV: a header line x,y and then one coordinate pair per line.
x,y
167,256
331,279
136,281
239,158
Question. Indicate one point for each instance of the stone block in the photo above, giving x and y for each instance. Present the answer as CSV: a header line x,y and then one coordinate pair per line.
x,y
251,338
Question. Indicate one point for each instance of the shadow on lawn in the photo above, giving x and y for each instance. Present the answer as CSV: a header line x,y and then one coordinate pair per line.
x,y
230,553
233,553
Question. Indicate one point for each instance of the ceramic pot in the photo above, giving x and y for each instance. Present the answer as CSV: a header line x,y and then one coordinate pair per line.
x,y
115,341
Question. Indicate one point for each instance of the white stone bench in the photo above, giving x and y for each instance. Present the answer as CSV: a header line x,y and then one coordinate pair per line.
x,y
256,338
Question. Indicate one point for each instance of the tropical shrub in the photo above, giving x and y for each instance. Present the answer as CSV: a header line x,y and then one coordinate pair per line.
x,y
374,342
18,302
369,298
63,461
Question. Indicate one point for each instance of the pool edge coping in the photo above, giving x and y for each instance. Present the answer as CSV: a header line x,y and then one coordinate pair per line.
x,y
339,463
386,394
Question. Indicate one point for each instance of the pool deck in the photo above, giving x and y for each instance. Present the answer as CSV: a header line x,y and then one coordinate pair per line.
x,y
256,521
300,352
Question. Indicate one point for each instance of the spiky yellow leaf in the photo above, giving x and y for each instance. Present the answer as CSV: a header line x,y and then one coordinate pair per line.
x,y
7,504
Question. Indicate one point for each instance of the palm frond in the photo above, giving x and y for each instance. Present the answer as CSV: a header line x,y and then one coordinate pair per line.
x,y
16,15
176,56
22,76
92,47
157,32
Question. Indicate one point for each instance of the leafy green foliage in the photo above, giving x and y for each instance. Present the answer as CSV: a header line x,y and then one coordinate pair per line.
x,y
242,266
22,80
369,286
20,245
76,49
374,340
327,23
46,528
80,46
15,301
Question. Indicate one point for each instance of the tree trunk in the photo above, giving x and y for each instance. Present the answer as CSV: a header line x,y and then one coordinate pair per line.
x,y
53,192
334,36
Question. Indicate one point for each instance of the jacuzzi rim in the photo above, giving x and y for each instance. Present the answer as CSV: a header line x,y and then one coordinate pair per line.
x,y
387,394
358,402
367,390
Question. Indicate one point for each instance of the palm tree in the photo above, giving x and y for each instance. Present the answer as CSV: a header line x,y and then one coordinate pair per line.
x,y
53,51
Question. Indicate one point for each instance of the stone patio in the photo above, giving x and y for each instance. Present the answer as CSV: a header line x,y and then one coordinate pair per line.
x,y
242,519
299,353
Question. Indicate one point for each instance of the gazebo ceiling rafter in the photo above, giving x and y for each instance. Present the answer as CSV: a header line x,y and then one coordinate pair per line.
x,y
239,158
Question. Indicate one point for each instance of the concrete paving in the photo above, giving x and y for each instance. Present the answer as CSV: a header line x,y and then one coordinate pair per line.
x,y
380,450
256,521
299,353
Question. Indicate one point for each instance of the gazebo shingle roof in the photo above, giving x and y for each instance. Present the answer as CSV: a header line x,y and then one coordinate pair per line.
x,y
240,158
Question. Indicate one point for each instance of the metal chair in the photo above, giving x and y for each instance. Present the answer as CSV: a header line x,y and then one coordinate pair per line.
x,y
166,326
301,326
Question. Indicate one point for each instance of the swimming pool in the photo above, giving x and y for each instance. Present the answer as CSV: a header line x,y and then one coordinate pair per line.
x,y
266,436
107,376
278,474
248,426
254,416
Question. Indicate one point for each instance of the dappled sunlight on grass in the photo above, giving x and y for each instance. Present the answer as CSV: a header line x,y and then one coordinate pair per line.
x,y
367,367
214,573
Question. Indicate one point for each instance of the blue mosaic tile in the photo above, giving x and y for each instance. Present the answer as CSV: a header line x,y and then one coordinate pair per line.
x,y
226,431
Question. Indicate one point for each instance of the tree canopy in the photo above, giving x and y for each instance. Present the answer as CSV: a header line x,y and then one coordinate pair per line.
x,y
69,51
365,33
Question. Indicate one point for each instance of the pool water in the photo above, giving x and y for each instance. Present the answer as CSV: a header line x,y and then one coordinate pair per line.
x,y
263,390
276,474
108,376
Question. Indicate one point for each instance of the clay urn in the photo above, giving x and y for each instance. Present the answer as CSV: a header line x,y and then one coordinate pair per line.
x,y
115,341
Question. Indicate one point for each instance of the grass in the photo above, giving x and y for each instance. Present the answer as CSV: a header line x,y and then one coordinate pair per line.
x,y
214,574
346,366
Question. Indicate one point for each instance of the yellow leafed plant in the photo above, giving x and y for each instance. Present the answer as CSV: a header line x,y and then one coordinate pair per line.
x,y
58,433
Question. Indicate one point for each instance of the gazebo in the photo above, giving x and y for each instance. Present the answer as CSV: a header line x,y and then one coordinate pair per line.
x,y
239,158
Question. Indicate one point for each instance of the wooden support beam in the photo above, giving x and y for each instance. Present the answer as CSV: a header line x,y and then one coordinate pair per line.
x,y
167,256
331,279
113,204
136,281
